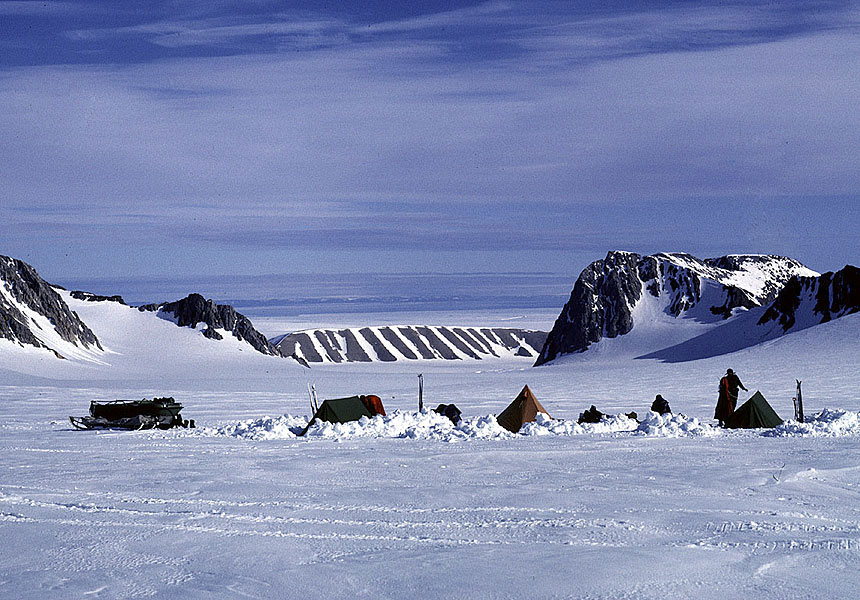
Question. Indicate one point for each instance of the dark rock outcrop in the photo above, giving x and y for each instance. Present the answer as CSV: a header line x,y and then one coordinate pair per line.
x,y
79,295
195,309
824,298
23,287
605,294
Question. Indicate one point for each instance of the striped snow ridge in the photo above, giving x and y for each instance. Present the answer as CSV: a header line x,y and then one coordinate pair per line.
x,y
394,343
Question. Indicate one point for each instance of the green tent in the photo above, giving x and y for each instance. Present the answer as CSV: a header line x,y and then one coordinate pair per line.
x,y
339,410
753,413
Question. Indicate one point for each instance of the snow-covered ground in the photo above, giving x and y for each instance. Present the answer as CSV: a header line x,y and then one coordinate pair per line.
x,y
411,506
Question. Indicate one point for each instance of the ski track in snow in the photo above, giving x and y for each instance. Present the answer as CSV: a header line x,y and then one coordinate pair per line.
x,y
463,526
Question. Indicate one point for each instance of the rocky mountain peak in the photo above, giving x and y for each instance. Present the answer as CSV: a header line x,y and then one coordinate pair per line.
x,y
30,306
195,309
607,291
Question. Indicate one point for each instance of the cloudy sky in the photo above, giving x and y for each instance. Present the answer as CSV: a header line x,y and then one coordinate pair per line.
x,y
222,138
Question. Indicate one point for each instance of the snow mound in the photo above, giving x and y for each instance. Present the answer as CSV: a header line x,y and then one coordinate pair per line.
x,y
673,425
432,426
827,423
399,424
266,428
413,425
543,425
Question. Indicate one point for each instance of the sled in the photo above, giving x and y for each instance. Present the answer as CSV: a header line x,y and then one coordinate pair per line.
x,y
130,423
161,413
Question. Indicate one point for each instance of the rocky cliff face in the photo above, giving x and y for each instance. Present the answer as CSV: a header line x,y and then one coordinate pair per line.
x,y
409,342
807,301
605,295
195,309
30,309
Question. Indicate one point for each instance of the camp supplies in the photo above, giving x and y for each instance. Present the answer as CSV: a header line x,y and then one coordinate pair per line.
x,y
162,413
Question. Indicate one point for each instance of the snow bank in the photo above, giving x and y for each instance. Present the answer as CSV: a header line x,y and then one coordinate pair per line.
x,y
399,424
543,425
673,425
267,428
431,426
827,423
413,425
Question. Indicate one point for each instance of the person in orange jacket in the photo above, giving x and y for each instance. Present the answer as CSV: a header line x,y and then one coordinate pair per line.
x,y
728,398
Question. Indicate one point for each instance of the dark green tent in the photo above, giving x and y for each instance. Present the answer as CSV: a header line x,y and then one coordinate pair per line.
x,y
339,410
753,413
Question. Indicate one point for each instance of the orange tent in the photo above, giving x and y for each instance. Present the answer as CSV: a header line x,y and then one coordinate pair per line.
x,y
373,404
523,409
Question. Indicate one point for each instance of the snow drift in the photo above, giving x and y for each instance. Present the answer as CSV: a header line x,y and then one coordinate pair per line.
x,y
431,426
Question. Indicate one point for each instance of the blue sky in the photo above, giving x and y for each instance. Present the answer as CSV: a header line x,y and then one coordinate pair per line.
x,y
209,139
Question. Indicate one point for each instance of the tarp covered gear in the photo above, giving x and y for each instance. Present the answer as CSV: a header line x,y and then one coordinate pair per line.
x,y
449,410
592,415
373,405
755,412
120,409
523,409
135,414
660,405
341,410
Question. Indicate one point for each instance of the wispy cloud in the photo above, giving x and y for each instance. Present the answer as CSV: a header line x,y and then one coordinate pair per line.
x,y
677,29
215,32
495,132
545,31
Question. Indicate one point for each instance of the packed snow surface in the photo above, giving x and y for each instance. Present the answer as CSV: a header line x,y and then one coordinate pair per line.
x,y
410,505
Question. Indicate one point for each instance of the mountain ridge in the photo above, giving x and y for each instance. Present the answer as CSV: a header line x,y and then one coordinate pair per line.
x,y
604,297
33,313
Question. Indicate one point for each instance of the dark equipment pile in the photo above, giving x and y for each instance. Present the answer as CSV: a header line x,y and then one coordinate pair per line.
x,y
160,413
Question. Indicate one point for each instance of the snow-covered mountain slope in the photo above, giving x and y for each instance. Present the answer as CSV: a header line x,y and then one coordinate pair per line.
x,y
195,310
410,342
32,313
141,345
803,302
671,296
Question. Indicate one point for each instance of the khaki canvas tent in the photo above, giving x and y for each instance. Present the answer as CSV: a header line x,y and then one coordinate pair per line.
x,y
343,410
523,409
755,412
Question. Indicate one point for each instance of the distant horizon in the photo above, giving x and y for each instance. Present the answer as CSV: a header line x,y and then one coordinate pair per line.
x,y
350,292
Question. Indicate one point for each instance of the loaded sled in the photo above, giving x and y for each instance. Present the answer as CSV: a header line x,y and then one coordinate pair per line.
x,y
160,413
